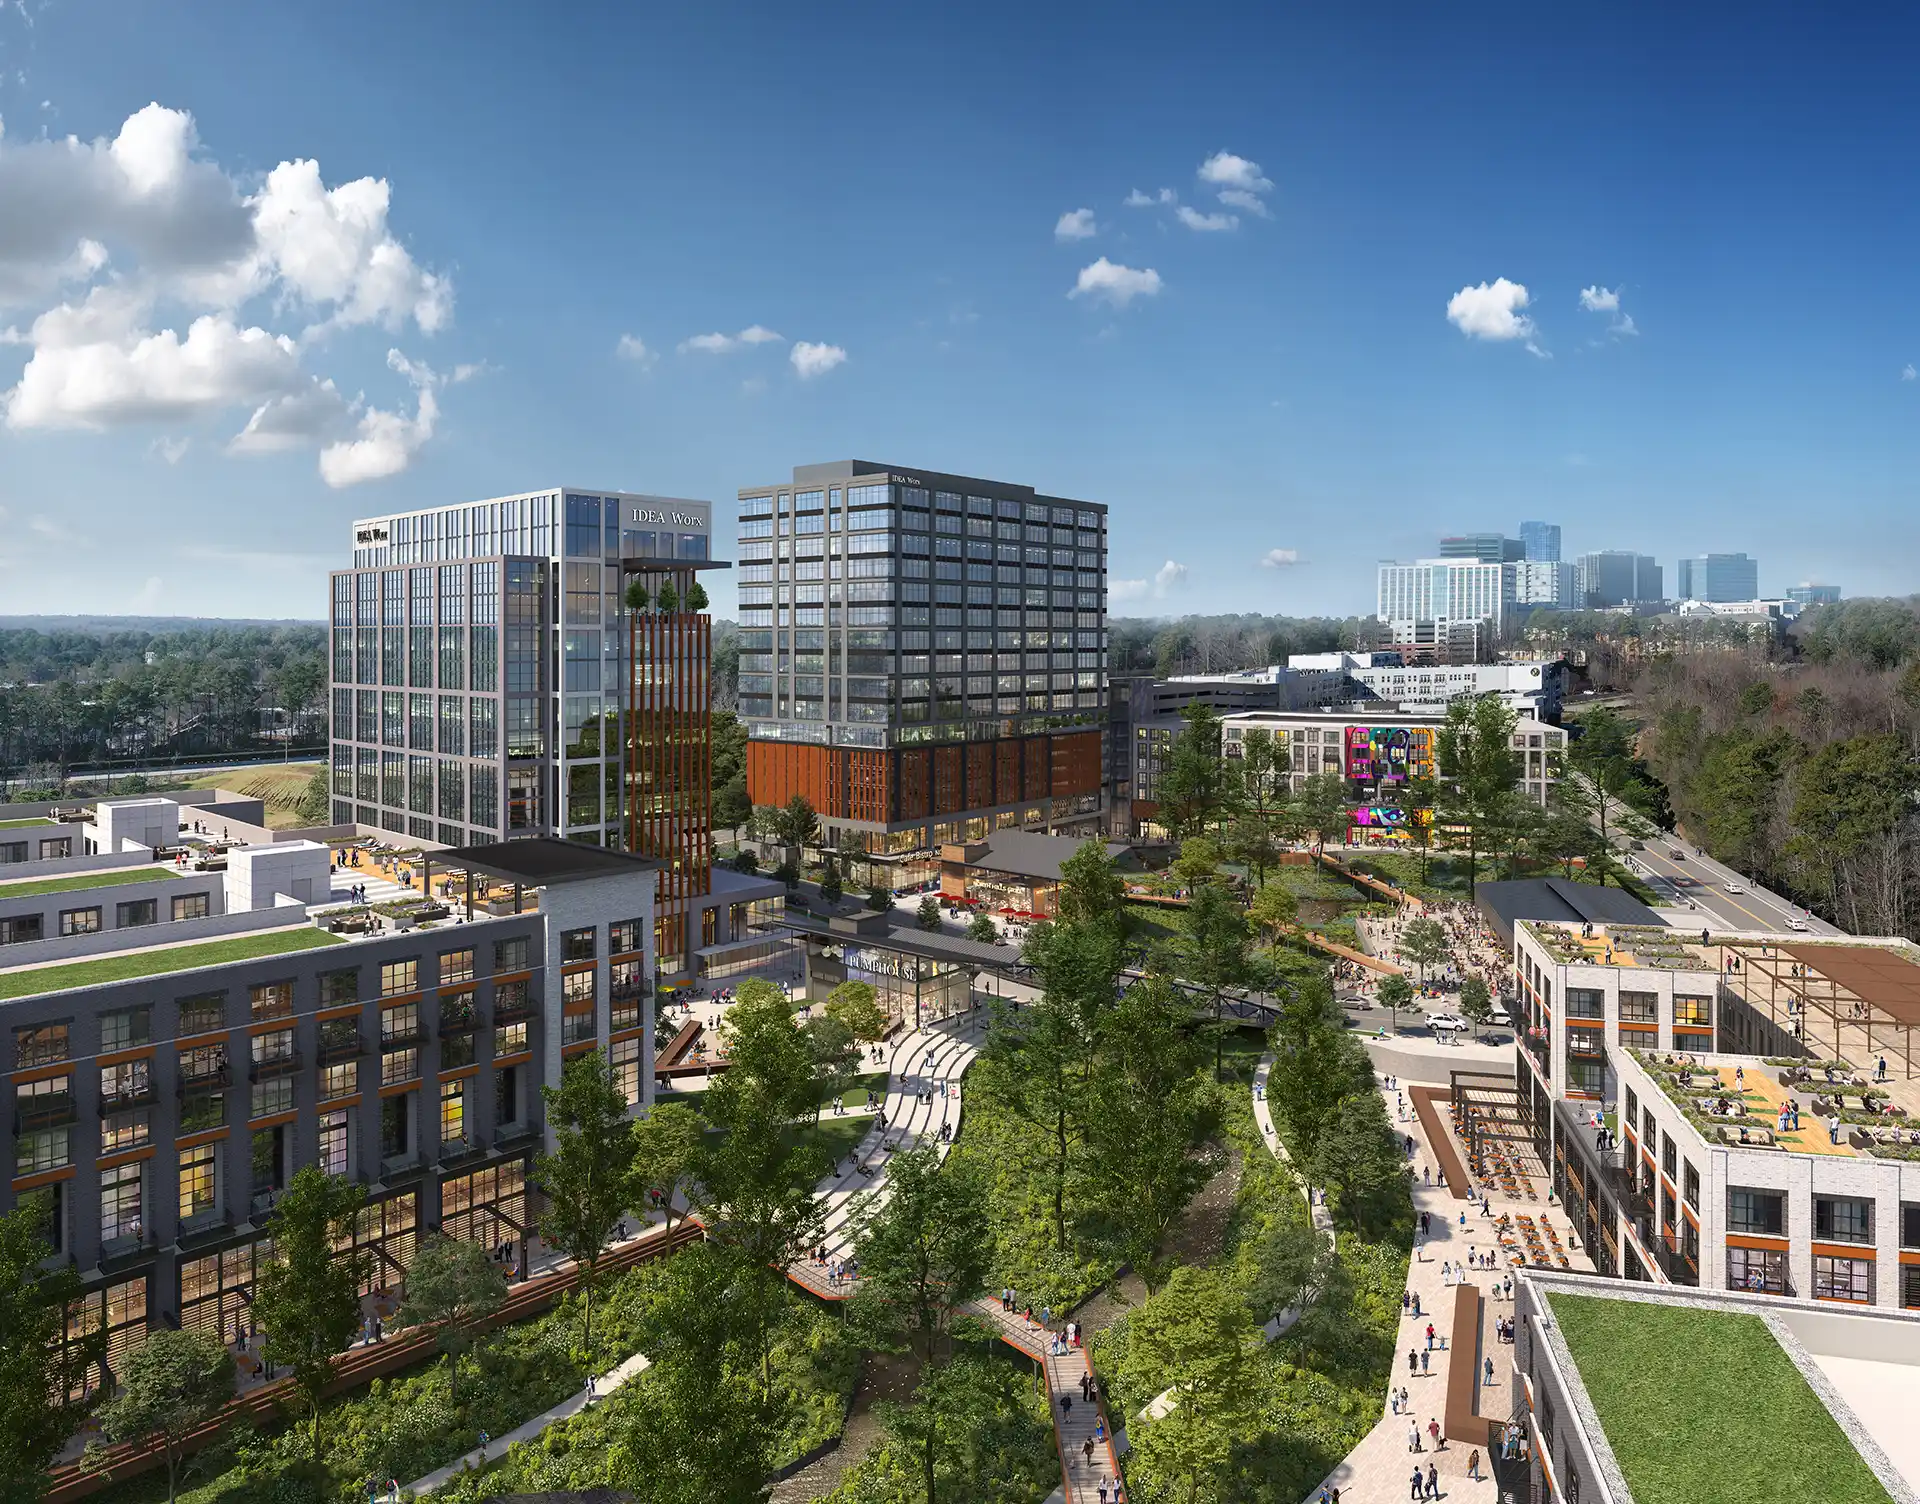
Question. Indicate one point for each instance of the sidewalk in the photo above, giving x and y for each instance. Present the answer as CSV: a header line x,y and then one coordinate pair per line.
x,y
572,1405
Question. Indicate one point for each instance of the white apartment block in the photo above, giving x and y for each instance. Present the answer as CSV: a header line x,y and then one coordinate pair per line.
x,y
1735,1116
1444,592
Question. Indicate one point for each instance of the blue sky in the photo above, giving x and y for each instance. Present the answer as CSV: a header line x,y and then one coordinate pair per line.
x,y
889,185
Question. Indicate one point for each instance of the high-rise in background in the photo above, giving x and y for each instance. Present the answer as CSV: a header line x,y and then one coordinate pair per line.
x,y
1540,542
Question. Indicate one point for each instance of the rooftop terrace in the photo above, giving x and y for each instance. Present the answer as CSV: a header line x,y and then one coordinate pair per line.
x,y
1705,1406
1736,1100
1653,946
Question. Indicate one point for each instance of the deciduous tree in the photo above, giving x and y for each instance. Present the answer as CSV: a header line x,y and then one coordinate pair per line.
x,y
1196,1341
39,1375
170,1387
665,1144
588,1177
453,1283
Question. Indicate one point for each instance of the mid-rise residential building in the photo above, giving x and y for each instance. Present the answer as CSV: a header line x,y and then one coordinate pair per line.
x,y
1484,548
1728,1111
1611,577
1544,585
923,655
1717,577
1533,690
1809,594
478,660
1540,542
172,1070
1439,606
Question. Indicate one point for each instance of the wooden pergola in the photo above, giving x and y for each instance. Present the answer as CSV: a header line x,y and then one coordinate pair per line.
x,y
1863,987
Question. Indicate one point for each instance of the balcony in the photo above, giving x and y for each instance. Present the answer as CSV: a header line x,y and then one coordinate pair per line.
x,y
506,1012
212,1080
273,1066
53,1111
265,1200
132,1244
203,1224
404,1038
398,1164
456,1051
454,1149
123,1098
1540,1046
458,1021
340,1044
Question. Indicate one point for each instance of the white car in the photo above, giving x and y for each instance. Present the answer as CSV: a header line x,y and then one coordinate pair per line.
x,y
1440,1022
1795,922
1733,887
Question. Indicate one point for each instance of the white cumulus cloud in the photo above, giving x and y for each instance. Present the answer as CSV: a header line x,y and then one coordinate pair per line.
x,y
1139,200
158,278
632,347
1491,310
812,360
1076,224
1242,198
1168,576
384,443
1224,170
1600,299
1279,558
1193,219
1115,284
726,344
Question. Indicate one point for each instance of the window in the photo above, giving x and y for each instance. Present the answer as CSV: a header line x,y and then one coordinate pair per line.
x,y
629,994
506,1096
1694,1011
121,1201
269,1159
509,1039
399,1065
510,955
511,997
123,1029
201,1110
273,1097
22,928
334,1156
627,935
1843,1219
625,1059
576,1028
400,1023
202,1062
273,1048
577,989
1843,1279
125,1130
576,945
1909,1224
79,921
44,1101
338,988
191,906
272,1000
198,1174
43,1149
127,1082
41,1044
1639,1008
1669,1158
1762,1270
1585,1002
1910,1286
1690,1184
399,976
337,1081
455,966
136,912
453,1113
395,1125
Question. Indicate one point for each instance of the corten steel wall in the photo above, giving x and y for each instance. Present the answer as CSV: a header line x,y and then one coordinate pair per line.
x,y
670,759
915,783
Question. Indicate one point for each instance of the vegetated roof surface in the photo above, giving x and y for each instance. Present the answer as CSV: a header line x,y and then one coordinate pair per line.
x,y
98,971
1705,1407
36,886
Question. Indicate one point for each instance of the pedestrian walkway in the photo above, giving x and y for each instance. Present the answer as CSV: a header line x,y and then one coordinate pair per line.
x,y
1076,1419
495,1449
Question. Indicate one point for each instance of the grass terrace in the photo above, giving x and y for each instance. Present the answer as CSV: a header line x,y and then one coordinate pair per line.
x,y
1868,1127
34,887
100,971
1705,1407
1656,948
22,824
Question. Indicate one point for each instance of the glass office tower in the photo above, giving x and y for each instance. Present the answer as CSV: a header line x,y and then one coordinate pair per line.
x,y
922,655
478,660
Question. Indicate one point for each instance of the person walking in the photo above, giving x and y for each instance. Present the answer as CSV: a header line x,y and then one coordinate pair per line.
x,y
1489,1373
1066,1406
1413,1361
1433,1481
1413,1437
1473,1464
1419,1484
1423,1361
1086,1448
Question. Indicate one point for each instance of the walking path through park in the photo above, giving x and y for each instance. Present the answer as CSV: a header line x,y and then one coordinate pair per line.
x,y
572,1405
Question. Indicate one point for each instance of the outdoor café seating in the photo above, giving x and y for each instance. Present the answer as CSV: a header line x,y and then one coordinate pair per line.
x,y
1751,1138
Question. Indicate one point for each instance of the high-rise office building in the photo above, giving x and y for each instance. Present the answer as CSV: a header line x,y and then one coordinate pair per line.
x,y
1718,577
1482,548
1544,584
1540,542
922,655
1612,577
1810,594
1452,607
479,658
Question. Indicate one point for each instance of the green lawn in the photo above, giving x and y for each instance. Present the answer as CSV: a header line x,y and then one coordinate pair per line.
x,y
18,824
152,963
1705,1407
33,887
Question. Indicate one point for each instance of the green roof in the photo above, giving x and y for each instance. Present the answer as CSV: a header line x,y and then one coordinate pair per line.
x,y
98,971
1706,1407
18,824
33,887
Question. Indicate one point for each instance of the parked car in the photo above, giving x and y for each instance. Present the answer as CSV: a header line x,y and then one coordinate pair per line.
x,y
1733,887
1444,1022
